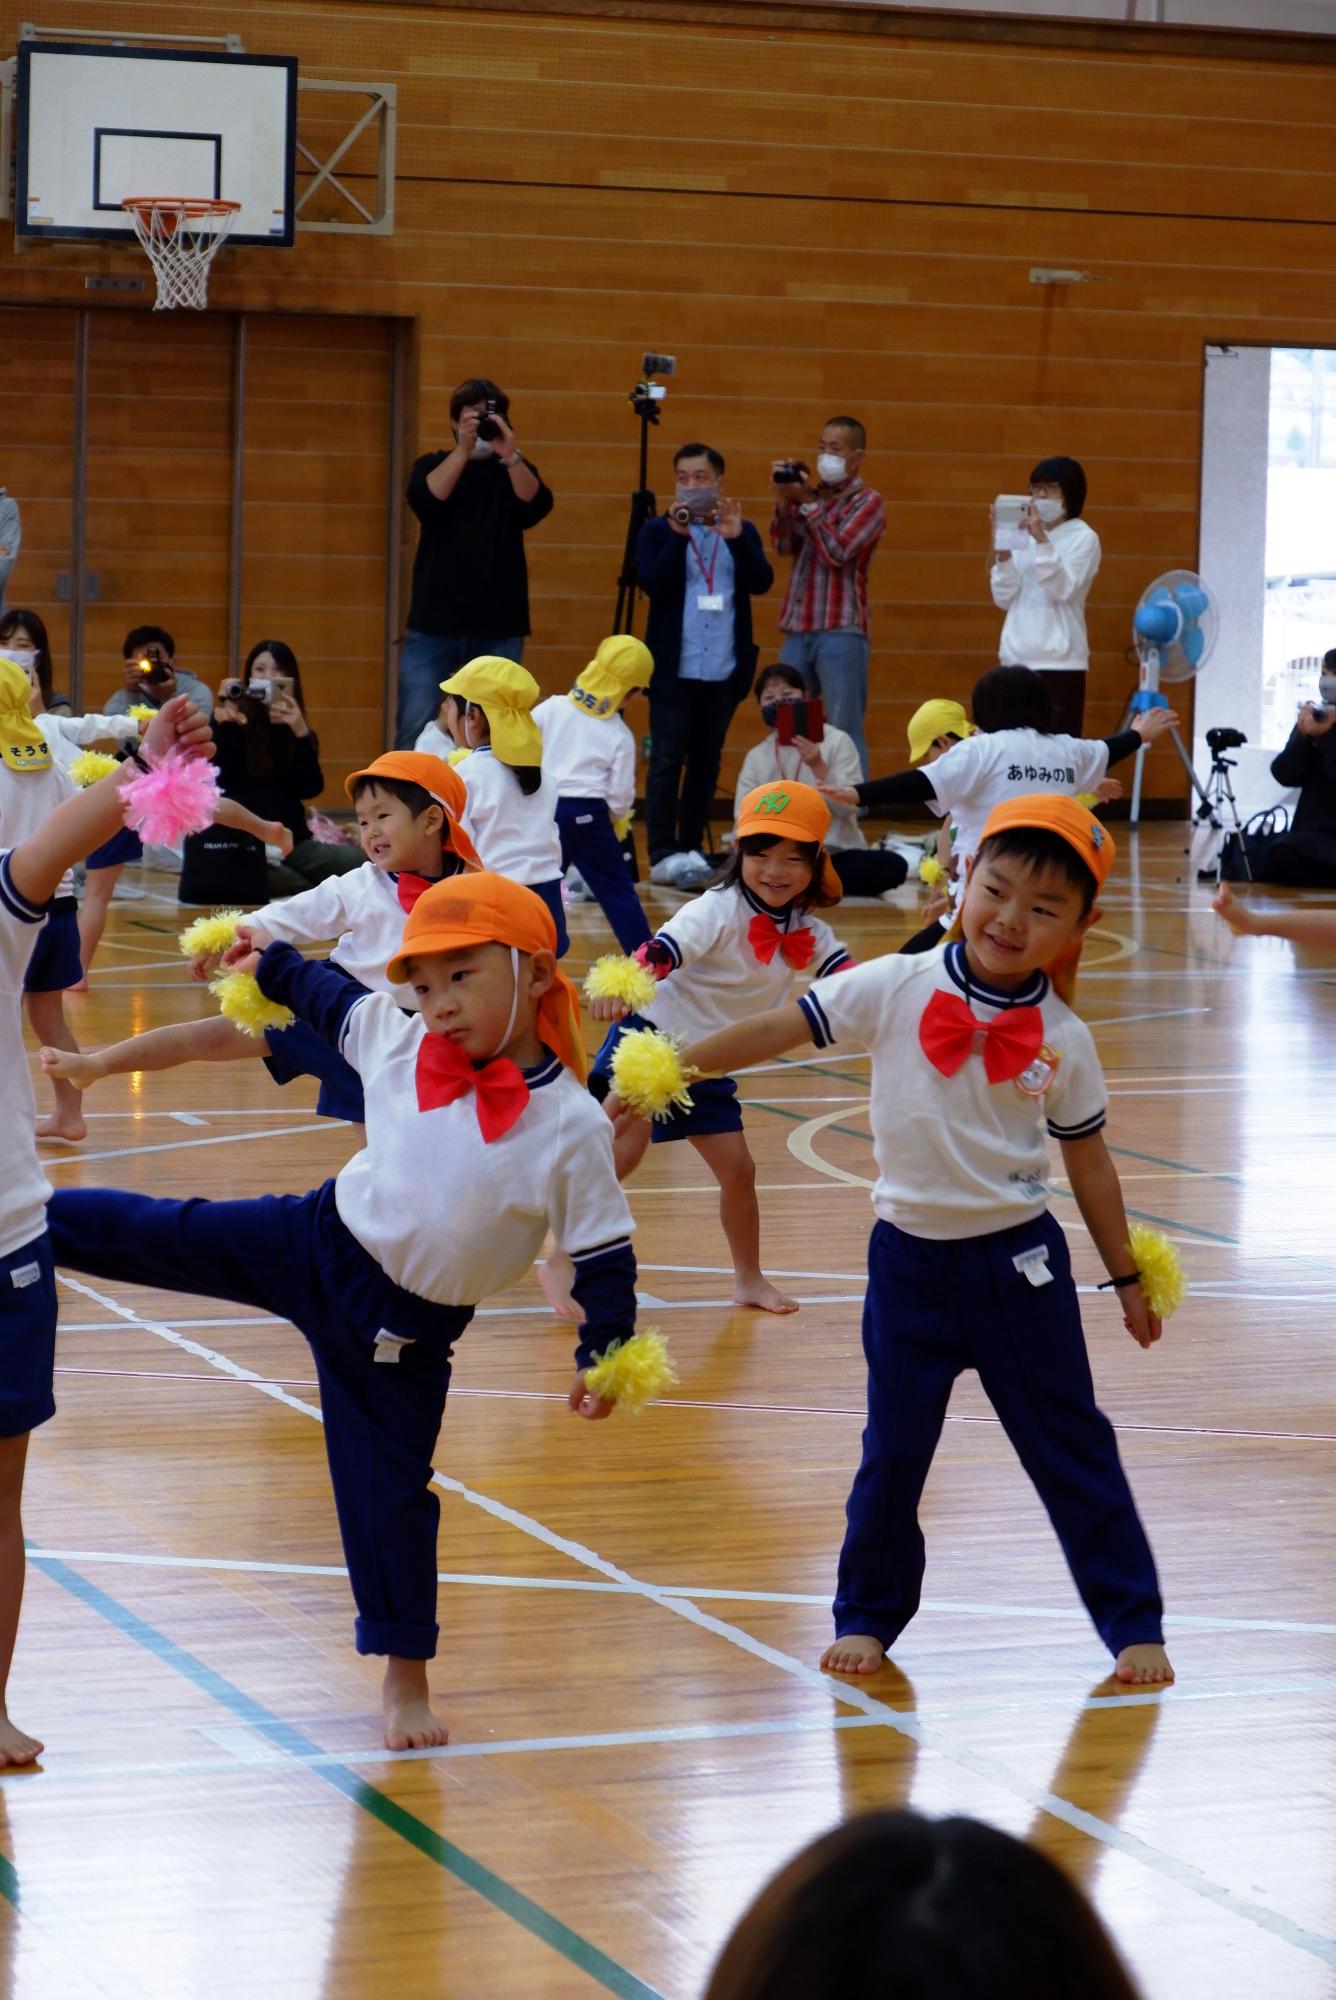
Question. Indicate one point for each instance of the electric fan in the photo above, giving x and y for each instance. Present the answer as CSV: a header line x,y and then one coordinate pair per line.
x,y
1174,629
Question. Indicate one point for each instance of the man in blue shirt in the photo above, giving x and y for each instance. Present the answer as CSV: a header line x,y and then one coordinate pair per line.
x,y
700,576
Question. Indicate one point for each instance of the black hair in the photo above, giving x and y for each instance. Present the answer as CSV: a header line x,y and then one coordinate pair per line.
x,y
780,671
813,897
1011,698
418,800
284,659
1039,850
854,428
716,458
1328,658
896,1903
148,635
1069,474
478,389
35,626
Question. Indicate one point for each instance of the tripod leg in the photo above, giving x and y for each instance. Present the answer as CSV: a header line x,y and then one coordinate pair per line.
x,y
1134,816
1197,785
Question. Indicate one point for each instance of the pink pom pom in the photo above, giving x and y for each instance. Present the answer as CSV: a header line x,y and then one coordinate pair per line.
x,y
175,797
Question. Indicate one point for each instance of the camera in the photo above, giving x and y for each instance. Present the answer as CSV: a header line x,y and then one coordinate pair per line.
x,y
684,515
1222,739
791,473
659,364
1319,710
154,671
488,428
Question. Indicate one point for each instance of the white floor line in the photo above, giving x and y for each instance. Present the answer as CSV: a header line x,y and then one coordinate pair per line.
x,y
1156,1014
74,1157
988,1769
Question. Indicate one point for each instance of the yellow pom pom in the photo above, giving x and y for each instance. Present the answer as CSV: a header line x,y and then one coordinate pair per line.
x,y
931,871
632,1372
1163,1280
91,765
458,754
621,827
1090,800
245,1006
616,978
207,935
647,1074
140,712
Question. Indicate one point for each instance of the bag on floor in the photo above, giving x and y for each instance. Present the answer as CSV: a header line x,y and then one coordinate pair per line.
x,y
1243,855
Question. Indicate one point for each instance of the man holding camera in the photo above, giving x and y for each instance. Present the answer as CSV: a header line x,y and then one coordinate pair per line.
x,y
1305,856
700,565
830,528
150,674
474,506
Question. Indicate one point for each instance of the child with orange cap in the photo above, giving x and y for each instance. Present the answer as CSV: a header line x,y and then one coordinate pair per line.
x,y
511,807
480,1137
975,1054
409,813
591,755
748,939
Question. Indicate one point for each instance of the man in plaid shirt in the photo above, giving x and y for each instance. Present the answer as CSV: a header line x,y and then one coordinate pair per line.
x,y
831,530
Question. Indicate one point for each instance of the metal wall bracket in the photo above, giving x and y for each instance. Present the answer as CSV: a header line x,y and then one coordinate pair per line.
x,y
381,115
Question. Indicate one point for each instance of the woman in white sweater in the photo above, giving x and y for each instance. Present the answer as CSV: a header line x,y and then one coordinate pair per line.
x,y
1043,589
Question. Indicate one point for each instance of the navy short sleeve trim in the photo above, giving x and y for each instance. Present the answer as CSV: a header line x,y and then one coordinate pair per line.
x,y
836,962
817,1023
1091,1125
13,901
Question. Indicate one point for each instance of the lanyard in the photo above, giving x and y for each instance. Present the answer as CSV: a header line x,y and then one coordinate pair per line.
x,y
707,575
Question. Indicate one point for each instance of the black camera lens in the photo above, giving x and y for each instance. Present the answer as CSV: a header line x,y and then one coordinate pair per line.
x,y
488,429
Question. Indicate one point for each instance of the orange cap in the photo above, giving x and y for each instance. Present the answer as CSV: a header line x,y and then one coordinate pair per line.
x,y
490,909
419,767
1055,812
791,811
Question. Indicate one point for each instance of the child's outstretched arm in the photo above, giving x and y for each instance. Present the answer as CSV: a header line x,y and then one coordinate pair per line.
x,y
1099,1196
754,1040
1299,926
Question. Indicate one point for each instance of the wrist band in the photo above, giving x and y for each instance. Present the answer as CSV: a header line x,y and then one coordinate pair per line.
x,y
1117,1284
130,755
516,458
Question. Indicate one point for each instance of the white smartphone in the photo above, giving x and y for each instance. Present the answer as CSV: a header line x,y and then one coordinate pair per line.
x,y
1009,510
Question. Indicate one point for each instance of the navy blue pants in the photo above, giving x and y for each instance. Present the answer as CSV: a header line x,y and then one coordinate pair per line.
x,y
589,844
552,896
291,1255
932,1311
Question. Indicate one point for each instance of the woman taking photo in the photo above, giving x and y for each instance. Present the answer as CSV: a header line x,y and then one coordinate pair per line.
x,y
268,760
1043,588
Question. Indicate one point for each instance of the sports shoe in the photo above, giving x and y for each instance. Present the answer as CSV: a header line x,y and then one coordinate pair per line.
x,y
577,889
694,871
666,872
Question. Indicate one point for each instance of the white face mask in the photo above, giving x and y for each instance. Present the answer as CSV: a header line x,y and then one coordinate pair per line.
x,y
831,468
20,655
1049,511
1326,685
700,499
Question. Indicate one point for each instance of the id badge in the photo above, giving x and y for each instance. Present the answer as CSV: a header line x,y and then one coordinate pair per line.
x,y
709,601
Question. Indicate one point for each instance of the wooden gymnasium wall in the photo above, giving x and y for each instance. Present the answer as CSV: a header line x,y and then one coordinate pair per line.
x,y
815,210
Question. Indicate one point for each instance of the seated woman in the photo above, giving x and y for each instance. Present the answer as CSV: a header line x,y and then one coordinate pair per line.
x,y
863,871
1305,857
268,760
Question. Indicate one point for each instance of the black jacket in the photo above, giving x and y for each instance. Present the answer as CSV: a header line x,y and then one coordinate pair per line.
x,y
469,574
661,563
1310,763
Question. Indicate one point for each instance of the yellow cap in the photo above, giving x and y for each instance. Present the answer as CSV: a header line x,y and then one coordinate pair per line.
x,y
620,664
22,744
505,692
934,719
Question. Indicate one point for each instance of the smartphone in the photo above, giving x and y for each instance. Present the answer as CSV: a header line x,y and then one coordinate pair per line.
x,y
1009,511
801,718
281,686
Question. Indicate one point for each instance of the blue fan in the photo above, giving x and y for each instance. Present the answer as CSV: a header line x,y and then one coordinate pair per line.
x,y
1174,628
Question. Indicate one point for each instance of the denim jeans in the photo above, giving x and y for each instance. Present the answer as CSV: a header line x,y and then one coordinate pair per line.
x,y
428,658
834,665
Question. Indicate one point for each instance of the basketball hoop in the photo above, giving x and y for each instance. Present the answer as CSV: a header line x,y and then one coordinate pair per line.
x,y
181,234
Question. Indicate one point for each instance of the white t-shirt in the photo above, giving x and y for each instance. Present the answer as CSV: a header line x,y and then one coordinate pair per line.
x,y
1043,590
29,797
447,1216
360,909
972,777
956,1155
436,742
24,1188
515,835
590,757
717,978
70,735
769,762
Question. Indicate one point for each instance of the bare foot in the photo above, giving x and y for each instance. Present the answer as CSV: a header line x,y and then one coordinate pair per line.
x,y
761,1294
556,1275
71,1067
1143,1666
856,1653
15,1747
410,1722
66,1131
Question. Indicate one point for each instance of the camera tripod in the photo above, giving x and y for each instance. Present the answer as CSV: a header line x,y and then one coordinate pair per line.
x,y
1216,796
644,400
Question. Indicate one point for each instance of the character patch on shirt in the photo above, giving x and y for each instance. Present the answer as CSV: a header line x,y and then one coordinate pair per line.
x,y
1036,1080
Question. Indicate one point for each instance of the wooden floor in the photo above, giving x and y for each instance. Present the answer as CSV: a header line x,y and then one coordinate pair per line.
x,y
632,1612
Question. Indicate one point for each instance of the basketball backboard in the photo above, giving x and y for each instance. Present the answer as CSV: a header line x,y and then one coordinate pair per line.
x,y
99,123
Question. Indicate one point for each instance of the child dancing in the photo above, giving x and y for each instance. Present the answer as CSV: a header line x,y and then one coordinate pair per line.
x,y
480,1136
748,939
973,1054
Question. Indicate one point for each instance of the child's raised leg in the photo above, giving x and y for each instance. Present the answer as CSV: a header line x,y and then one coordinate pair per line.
x,y
98,885
727,1156
46,1015
16,1746
213,1039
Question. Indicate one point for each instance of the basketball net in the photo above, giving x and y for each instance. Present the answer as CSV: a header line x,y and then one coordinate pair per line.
x,y
182,236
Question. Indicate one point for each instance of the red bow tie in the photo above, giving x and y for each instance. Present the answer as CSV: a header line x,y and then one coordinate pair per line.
x,y
1011,1041
445,1074
766,938
409,888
